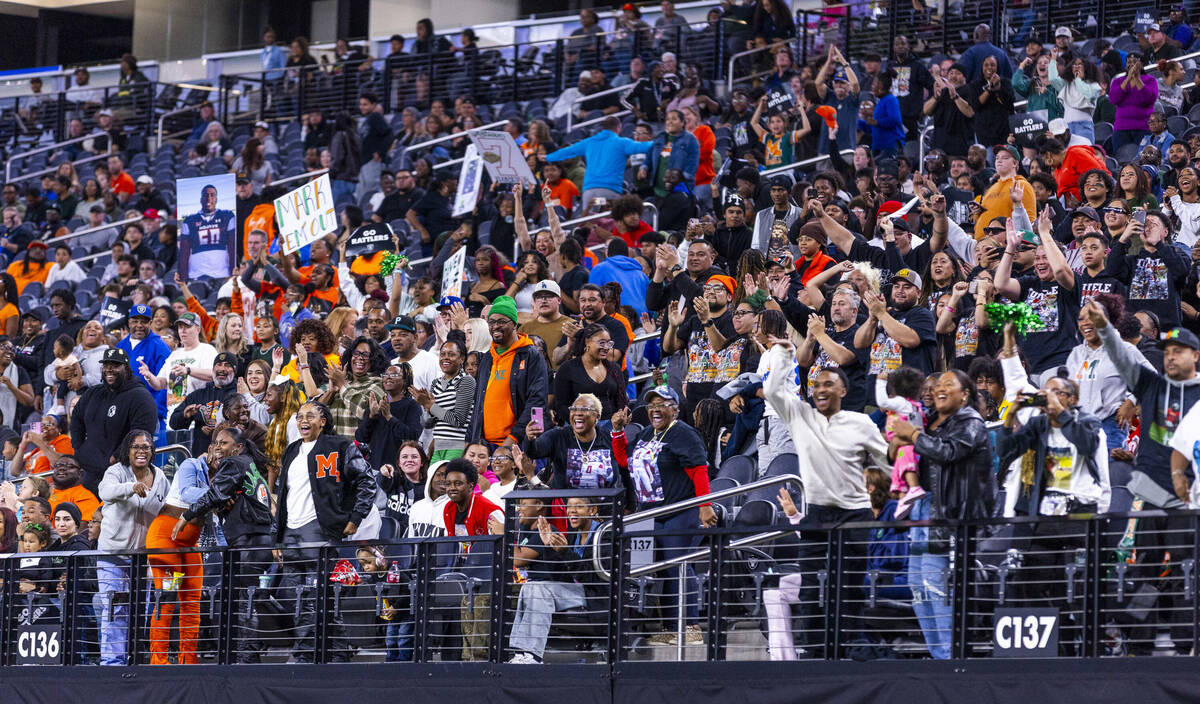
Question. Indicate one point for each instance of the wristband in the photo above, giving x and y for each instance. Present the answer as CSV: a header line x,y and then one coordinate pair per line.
x,y
301,367
709,323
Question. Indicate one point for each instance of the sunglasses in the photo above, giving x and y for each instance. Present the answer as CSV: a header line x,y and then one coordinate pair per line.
x,y
993,230
1114,211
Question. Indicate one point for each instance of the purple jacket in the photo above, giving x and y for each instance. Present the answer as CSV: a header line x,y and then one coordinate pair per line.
x,y
1133,106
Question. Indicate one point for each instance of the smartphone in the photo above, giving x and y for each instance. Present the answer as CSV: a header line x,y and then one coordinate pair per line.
x,y
36,427
1038,400
1140,216
537,417
973,288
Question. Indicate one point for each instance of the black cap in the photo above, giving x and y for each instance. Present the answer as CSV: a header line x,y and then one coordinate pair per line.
x,y
402,322
115,355
1181,336
241,181
227,358
781,182
1086,211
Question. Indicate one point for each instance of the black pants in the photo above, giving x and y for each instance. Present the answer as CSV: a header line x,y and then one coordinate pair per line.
x,y
254,559
815,555
302,580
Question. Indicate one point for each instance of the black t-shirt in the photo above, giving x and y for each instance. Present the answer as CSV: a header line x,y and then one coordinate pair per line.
x,y
572,379
657,462
433,210
953,131
575,464
397,205
1089,286
616,331
573,280
1058,308
543,567
887,355
856,372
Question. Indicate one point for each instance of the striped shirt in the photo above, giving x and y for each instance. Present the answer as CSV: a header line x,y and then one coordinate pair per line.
x,y
452,402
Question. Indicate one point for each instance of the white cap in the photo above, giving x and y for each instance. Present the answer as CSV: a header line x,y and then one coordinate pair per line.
x,y
144,178
105,112
586,75
547,285
262,124
1062,32
1057,126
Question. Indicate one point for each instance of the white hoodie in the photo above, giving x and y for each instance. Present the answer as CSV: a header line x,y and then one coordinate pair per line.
x,y
426,517
127,516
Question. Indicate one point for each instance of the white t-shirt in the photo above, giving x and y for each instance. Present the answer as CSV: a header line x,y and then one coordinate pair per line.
x,y
497,491
1186,441
300,506
200,357
425,369
764,368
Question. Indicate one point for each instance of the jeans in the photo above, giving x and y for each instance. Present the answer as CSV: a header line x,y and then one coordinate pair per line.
x,y
774,440
343,191
927,579
669,546
398,641
302,580
590,193
1083,128
112,577
256,560
536,606
1114,434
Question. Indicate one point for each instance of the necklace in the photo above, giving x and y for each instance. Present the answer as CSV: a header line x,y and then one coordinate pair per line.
x,y
592,444
663,434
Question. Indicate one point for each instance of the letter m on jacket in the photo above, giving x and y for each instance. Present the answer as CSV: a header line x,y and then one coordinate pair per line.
x,y
328,464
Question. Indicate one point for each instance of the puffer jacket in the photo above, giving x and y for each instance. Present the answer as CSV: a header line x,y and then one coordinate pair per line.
x,y
956,470
238,493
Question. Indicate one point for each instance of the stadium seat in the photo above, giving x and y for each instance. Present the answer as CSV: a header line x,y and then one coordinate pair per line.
x,y
1103,130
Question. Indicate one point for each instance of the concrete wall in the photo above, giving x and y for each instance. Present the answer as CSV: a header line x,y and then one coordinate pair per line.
x,y
400,16
184,29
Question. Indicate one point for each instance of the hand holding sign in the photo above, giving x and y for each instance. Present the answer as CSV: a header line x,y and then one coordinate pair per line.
x,y
306,214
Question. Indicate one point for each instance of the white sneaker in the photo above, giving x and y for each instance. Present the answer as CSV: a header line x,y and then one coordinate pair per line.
x,y
1163,645
522,659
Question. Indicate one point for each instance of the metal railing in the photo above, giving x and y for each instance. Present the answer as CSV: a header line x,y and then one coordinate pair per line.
x,y
592,96
300,177
452,136
42,150
90,230
804,162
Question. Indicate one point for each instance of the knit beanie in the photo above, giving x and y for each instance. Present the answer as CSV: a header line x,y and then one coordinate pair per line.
x,y
815,230
506,306
71,509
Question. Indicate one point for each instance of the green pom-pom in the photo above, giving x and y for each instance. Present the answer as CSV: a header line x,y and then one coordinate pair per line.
x,y
1023,318
391,261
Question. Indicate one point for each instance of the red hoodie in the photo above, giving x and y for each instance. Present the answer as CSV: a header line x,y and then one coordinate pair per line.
x,y
477,515
1077,161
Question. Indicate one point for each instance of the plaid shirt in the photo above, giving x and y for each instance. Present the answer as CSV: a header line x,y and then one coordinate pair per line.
x,y
349,407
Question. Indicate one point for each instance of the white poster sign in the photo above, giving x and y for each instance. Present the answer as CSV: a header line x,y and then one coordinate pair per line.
x,y
306,214
468,182
452,274
502,158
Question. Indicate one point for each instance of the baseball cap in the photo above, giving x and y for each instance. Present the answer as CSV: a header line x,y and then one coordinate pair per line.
x,y
664,392
188,318
116,355
227,358
888,207
448,302
1030,240
1086,211
585,75
36,243
1154,28
1062,32
402,322
907,275
242,181
145,178
1008,148
96,208
547,286
141,310
1181,336
1057,126
105,113
262,124
151,214
781,182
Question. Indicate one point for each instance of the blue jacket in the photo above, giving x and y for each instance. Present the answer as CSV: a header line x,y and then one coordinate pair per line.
x,y
685,155
606,153
888,130
154,352
287,323
973,58
626,271
192,480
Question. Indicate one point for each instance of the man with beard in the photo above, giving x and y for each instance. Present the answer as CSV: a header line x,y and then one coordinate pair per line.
x,y
591,307
1177,159
207,239
106,413
832,345
201,408
377,329
425,366
905,334
512,380
1053,294
732,237
68,486
548,321
146,348
703,335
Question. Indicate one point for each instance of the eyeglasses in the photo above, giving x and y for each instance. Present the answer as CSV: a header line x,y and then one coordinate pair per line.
x,y
498,322
742,313
498,459
360,354
606,344
582,409
993,230
716,287
141,447
392,375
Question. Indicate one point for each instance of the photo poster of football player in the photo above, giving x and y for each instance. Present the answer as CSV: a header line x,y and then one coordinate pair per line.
x,y
207,226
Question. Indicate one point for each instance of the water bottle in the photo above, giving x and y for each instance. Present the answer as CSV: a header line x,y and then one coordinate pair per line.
x,y
393,575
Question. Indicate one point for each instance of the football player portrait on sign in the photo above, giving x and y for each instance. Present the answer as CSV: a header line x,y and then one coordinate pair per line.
x,y
207,226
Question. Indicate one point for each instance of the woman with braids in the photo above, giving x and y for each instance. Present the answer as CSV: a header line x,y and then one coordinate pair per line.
x,y
709,419
326,494
450,401
589,371
282,402
315,338
355,385
390,419
238,493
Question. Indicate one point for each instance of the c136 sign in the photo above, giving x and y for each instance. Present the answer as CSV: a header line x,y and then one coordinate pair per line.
x,y
39,644
1025,633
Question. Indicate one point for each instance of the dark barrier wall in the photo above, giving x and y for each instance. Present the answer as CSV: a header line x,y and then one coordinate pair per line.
x,y
1141,681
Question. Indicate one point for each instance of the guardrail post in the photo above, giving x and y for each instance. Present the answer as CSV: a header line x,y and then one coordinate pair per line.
x,y
846,33
1191,587
419,602
803,22
137,621
227,597
7,589
716,562
1048,31
69,608
1093,598
894,19
502,566
516,65
616,583
718,51
959,587
322,607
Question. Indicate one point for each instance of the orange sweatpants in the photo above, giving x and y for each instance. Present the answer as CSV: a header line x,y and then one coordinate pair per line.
x,y
188,596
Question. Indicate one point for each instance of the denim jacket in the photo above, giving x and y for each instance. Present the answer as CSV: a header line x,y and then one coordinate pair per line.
x,y
685,155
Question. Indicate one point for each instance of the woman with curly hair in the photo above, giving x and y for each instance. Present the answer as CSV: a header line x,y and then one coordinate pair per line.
x,y
356,385
532,268
282,401
315,338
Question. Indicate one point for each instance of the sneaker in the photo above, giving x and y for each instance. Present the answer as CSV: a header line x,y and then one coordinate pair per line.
x,y
692,635
1163,645
661,639
905,505
522,659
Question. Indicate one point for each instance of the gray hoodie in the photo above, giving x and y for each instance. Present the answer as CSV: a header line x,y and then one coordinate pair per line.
x,y
127,516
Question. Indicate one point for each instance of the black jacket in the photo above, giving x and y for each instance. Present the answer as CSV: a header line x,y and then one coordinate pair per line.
x,y
209,399
384,436
956,470
237,480
529,384
101,420
343,484
660,295
1079,428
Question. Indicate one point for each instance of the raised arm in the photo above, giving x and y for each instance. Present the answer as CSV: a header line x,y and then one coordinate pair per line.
x,y
1005,283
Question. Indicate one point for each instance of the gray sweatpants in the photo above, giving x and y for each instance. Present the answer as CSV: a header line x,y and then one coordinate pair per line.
x,y
535,608
774,439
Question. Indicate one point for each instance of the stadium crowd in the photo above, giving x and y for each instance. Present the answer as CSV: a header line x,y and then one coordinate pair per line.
x,y
1001,325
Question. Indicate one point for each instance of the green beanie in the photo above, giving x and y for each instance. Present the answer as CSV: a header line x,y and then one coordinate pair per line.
x,y
506,306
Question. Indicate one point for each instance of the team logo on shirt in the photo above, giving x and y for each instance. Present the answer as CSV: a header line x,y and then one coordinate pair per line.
x,y
112,410
327,464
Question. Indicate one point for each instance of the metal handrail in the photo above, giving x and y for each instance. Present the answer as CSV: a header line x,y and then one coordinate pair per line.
x,y
921,147
452,162
805,162
729,82
453,135
52,169
297,177
162,118
597,120
583,98
90,230
597,562
39,150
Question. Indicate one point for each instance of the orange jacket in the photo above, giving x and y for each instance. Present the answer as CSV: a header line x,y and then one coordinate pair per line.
x,y
498,413
209,323
708,142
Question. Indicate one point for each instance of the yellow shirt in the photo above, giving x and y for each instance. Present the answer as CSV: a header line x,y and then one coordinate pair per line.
x,y
996,203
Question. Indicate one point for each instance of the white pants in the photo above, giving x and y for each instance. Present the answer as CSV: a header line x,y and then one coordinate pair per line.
x,y
778,604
